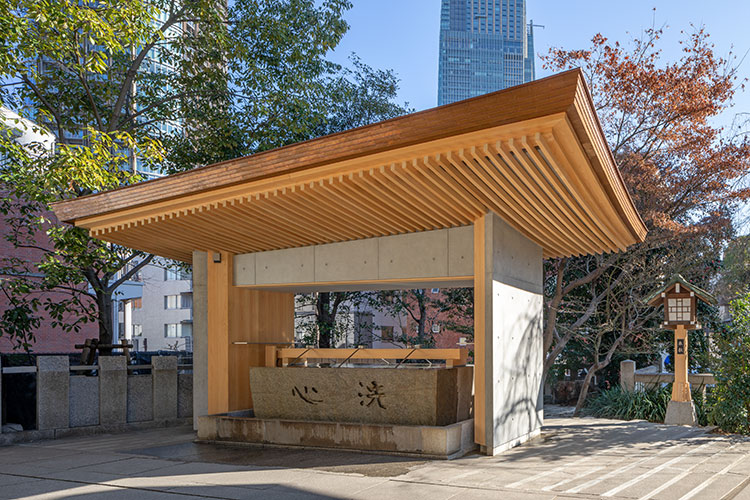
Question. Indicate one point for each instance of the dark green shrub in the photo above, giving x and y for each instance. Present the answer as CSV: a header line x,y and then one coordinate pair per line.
x,y
731,410
649,404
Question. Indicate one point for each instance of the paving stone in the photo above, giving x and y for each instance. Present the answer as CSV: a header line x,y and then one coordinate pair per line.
x,y
744,494
221,491
6,479
38,487
580,458
130,466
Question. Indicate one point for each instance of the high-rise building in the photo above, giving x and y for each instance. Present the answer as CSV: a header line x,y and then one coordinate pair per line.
x,y
485,45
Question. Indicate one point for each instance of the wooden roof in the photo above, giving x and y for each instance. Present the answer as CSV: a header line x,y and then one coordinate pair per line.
x,y
534,154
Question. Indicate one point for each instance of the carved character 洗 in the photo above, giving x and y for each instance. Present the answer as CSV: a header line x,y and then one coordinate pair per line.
x,y
373,393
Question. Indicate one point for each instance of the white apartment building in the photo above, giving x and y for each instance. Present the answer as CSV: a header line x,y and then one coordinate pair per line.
x,y
162,318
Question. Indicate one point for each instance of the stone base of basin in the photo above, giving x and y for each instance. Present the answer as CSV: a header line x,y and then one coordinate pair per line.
x,y
398,396
446,442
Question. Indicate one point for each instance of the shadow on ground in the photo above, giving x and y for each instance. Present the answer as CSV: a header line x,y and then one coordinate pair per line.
x,y
371,465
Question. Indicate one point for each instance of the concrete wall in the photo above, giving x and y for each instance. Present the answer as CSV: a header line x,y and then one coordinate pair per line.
x,y
417,260
200,336
513,356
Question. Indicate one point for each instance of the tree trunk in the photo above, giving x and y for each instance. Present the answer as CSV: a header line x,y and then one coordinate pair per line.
x,y
585,390
106,320
325,321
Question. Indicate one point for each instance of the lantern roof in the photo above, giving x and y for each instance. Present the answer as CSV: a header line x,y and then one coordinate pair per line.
x,y
655,298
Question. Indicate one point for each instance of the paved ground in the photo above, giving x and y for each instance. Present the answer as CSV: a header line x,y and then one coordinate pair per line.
x,y
575,458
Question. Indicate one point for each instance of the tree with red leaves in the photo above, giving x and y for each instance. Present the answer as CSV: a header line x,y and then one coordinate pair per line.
x,y
683,172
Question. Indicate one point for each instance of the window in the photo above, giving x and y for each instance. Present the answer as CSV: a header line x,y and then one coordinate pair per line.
x,y
176,275
679,309
178,301
435,290
386,333
173,330
137,303
137,330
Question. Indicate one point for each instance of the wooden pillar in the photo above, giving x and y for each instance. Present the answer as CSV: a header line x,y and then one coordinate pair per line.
x,y
240,323
218,283
681,386
480,318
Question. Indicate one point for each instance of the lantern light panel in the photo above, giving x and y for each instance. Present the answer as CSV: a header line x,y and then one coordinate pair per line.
x,y
679,309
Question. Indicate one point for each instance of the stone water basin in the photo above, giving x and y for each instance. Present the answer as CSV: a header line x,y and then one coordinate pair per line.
x,y
403,396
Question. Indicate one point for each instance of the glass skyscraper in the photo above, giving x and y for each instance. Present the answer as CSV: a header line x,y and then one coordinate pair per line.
x,y
485,45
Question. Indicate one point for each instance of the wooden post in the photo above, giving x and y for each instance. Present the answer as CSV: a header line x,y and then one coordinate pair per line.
x,y
480,306
681,386
271,356
218,276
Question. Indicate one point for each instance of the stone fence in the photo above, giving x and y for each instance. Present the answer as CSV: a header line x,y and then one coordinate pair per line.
x,y
110,396
632,379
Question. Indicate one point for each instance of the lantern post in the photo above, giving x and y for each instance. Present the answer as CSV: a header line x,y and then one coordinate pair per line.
x,y
679,299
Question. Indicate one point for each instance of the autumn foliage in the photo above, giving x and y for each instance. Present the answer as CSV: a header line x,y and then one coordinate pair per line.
x,y
683,171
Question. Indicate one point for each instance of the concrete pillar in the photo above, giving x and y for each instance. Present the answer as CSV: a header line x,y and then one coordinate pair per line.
x,y
627,375
164,384
113,390
52,392
508,335
200,337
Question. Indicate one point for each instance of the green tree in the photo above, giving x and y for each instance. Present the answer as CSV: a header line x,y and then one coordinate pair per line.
x,y
75,67
416,306
731,409
735,273
163,85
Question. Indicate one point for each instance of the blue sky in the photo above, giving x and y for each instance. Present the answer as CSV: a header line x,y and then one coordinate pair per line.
x,y
403,35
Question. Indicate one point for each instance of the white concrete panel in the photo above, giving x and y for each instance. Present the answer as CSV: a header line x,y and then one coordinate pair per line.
x,y
415,255
461,251
293,265
516,259
244,269
517,364
513,339
431,259
348,261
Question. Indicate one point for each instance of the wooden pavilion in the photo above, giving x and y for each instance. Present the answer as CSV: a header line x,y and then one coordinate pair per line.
x,y
475,193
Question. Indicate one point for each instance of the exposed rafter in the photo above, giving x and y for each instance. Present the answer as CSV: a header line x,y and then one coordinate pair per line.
x,y
549,175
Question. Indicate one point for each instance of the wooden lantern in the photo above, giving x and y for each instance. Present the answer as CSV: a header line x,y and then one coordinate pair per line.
x,y
680,299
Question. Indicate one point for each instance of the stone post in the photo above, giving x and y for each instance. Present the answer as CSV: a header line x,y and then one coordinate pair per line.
x,y
113,390
164,386
52,392
627,375
200,336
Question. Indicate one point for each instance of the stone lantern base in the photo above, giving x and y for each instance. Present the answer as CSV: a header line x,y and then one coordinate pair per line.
x,y
680,413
